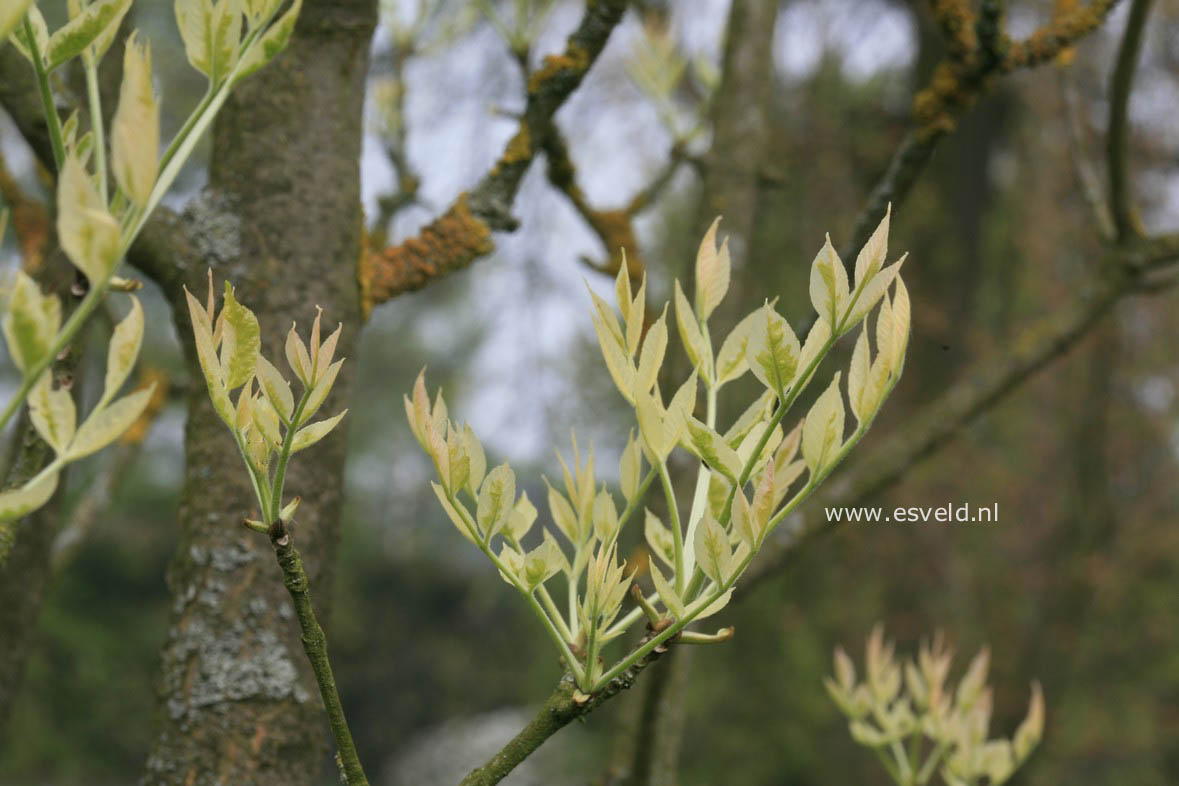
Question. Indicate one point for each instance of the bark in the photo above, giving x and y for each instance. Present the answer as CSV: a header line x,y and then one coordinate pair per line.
x,y
280,219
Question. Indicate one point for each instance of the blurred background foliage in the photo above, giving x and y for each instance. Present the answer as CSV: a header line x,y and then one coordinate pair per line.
x,y
1074,585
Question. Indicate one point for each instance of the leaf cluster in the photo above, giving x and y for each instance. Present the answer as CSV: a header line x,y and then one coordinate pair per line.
x,y
749,478
918,724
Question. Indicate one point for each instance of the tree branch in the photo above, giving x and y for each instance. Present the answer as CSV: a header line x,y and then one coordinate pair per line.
x,y
956,83
463,233
1118,133
565,705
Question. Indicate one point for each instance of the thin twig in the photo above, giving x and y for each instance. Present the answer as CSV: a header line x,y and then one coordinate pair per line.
x,y
1118,134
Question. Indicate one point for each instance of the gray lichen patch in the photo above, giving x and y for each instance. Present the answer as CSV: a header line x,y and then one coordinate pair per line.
x,y
241,663
215,226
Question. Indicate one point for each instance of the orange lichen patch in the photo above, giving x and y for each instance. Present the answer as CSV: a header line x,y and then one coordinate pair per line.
x,y
519,147
29,221
615,229
1055,38
948,92
957,22
452,241
518,152
572,62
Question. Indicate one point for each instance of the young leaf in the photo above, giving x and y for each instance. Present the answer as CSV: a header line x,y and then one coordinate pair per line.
x,y
712,608
730,361
858,392
40,32
695,344
630,468
762,506
309,435
620,366
635,314
52,412
651,356
872,292
563,515
744,523
272,42
320,391
266,420
822,433
31,322
17,502
543,562
772,351
829,288
667,593
816,339
477,463
277,389
712,273
681,407
98,19
521,519
497,498
605,516
712,549
206,350
135,131
11,14
123,351
225,32
872,255
711,448
659,538
89,235
105,425
323,358
241,339
300,360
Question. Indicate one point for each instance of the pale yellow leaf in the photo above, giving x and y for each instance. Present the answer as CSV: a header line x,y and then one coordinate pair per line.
x,y
309,435
106,425
712,273
135,130
123,351
18,502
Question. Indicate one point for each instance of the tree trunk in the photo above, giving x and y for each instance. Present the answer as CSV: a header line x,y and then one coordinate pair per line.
x,y
281,219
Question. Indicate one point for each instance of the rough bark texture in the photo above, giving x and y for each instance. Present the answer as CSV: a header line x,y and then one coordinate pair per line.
x,y
281,220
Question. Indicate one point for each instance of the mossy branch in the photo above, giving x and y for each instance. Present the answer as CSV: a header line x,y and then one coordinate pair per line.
x,y
957,83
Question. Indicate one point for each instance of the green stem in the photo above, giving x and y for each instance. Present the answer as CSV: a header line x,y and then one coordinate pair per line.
x,y
96,123
52,120
284,457
315,646
677,534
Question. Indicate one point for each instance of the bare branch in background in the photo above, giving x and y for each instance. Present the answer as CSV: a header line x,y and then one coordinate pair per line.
x,y
463,233
1126,222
